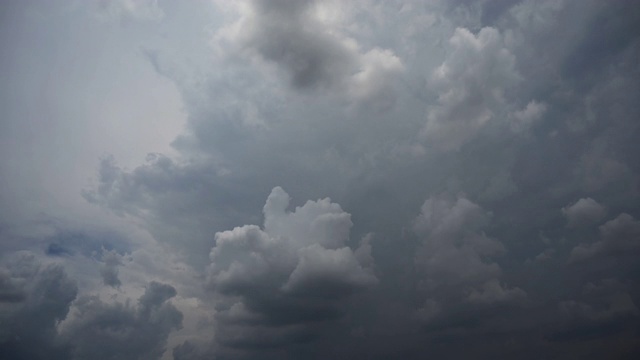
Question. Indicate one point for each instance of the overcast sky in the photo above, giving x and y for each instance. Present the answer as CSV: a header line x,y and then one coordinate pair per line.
x,y
282,179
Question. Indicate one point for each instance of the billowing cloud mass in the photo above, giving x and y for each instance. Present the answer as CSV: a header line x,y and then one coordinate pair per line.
x,y
462,179
43,318
281,283
107,331
471,85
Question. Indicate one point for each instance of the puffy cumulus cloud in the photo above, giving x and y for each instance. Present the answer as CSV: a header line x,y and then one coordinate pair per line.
x,y
99,330
304,39
283,283
471,85
454,262
618,237
585,211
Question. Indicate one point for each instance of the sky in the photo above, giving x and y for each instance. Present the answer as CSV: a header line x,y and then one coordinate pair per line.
x,y
319,179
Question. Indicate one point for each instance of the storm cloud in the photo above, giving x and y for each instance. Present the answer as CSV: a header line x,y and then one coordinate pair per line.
x,y
268,179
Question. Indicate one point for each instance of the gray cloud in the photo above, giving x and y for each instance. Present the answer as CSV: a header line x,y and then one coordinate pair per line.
x,y
617,237
36,297
606,310
525,110
471,84
300,39
282,283
42,318
583,212
108,331
290,36
109,269
454,263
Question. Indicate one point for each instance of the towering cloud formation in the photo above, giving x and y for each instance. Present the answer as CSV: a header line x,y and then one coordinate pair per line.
x,y
284,283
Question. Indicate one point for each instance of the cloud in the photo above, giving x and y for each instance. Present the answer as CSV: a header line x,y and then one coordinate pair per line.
x,y
525,118
43,317
453,263
312,50
135,9
109,270
283,282
471,85
454,247
527,110
99,330
545,255
294,38
36,297
583,212
492,292
606,309
618,237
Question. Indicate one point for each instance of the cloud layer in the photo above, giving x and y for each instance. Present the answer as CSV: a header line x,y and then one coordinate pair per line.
x,y
463,177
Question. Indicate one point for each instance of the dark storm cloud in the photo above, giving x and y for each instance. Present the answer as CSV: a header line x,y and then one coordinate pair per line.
x,y
43,319
604,315
494,115
108,331
483,155
36,299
